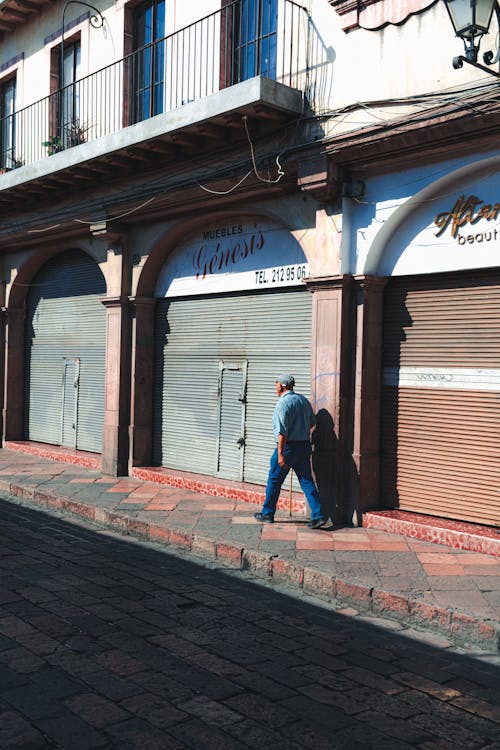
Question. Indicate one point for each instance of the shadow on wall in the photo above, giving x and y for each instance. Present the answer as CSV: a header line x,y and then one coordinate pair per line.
x,y
325,462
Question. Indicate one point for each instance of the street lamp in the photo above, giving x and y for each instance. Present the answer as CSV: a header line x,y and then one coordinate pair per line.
x,y
96,20
471,20
66,98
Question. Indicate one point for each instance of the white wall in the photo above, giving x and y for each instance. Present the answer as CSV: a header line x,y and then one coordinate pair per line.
x,y
374,68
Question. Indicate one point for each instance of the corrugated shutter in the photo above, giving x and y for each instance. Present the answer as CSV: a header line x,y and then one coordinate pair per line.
x,y
66,322
271,331
441,396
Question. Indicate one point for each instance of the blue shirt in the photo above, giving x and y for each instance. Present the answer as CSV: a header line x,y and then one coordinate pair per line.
x,y
293,417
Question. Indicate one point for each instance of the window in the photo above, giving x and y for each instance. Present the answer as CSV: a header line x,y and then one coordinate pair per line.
x,y
69,115
149,60
8,124
255,49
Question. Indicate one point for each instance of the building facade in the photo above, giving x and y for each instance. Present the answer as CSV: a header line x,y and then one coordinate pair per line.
x,y
197,196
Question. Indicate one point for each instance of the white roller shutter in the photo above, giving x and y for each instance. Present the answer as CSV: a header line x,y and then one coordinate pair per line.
x,y
270,332
65,354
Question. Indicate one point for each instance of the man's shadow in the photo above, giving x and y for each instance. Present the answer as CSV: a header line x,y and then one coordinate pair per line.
x,y
325,463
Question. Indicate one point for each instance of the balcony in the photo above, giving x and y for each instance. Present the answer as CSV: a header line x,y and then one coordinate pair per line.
x,y
200,87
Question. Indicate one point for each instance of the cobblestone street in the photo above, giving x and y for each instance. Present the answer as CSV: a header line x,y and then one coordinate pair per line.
x,y
106,643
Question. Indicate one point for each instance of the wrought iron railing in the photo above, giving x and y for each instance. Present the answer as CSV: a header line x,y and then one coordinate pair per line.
x,y
207,56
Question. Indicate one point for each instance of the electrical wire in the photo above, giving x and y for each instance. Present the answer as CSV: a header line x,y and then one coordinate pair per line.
x,y
262,179
225,192
120,216
490,93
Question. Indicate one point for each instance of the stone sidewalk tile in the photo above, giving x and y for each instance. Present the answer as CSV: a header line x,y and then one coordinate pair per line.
x,y
444,590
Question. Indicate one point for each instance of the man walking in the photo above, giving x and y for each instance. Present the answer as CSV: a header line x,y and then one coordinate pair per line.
x,y
293,420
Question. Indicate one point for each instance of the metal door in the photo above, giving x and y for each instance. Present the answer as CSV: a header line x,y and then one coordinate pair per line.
x,y
231,432
69,402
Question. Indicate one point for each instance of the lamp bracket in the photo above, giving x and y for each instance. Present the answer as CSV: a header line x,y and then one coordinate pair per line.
x,y
472,49
459,61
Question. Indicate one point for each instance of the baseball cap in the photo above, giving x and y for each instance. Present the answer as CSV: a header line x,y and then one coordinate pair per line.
x,y
285,379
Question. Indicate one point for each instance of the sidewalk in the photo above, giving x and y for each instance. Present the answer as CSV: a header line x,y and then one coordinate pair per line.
x,y
454,593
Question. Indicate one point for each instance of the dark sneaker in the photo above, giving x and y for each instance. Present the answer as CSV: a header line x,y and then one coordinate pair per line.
x,y
264,518
317,523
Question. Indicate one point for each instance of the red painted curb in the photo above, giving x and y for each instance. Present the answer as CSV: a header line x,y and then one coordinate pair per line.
x,y
354,594
288,572
182,539
423,614
159,534
257,562
26,493
383,602
204,547
316,582
231,554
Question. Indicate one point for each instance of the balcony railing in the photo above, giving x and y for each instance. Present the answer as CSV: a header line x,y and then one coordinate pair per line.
x,y
207,56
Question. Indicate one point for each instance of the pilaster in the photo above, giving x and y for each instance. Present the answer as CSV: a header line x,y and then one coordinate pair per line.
x,y
13,400
141,419
330,365
117,387
115,445
364,491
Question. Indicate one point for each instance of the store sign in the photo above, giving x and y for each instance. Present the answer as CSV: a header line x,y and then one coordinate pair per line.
x,y
234,257
462,232
461,220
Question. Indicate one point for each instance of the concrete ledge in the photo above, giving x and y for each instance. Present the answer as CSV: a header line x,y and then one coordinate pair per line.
x,y
456,534
55,453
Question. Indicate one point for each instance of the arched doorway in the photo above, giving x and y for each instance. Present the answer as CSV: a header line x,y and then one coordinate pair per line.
x,y
65,353
231,314
441,361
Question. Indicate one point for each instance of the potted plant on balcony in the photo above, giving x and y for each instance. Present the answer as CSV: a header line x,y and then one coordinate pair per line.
x,y
13,163
53,145
75,133
16,162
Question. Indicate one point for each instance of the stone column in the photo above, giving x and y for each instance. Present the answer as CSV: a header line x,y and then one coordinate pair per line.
x,y
14,377
115,448
141,420
3,355
365,490
330,368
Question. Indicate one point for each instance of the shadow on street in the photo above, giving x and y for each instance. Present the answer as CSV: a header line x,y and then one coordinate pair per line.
x,y
106,643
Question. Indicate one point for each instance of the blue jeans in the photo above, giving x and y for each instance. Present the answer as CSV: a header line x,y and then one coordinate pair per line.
x,y
297,456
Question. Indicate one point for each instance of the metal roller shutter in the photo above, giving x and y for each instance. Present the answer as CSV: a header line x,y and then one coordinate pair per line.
x,y
65,354
264,333
441,396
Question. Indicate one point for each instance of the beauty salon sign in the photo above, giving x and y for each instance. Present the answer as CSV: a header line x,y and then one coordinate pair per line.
x,y
464,234
462,219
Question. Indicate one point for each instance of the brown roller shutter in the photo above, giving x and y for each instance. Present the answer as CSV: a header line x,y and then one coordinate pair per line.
x,y
441,396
